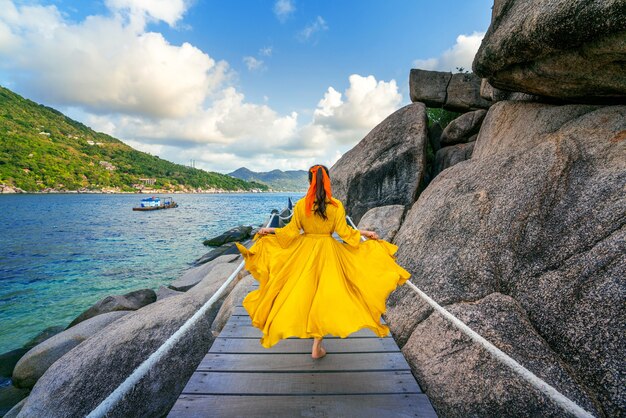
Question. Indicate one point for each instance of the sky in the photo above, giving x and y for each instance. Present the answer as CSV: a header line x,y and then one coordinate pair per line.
x,y
263,84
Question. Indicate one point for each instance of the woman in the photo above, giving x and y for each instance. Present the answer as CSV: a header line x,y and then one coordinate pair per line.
x,y
312,285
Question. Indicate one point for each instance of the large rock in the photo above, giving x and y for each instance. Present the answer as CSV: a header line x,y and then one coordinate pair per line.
x,y
34,363
238,233
128,302
537,214
386,167
234,298
429,87
384,220
462,379
9,359
462,128
225,249
573,50
488,92
455,92
452,155
76,383
195,275
463,93
164,292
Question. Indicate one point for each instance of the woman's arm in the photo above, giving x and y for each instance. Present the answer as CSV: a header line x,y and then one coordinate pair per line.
x,y
265,231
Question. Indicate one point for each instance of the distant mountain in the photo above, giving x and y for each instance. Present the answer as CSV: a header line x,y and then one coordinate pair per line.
x,y
42,149
290,180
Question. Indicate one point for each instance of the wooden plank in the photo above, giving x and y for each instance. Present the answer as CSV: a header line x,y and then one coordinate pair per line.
x,y
334,383
366,406
302,362
234,329
333,345
240,315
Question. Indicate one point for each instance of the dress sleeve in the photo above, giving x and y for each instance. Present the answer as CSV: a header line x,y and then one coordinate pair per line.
x,y
348,234
287,234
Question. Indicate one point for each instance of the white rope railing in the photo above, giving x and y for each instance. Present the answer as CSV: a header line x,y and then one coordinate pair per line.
x,y
127,385
557,397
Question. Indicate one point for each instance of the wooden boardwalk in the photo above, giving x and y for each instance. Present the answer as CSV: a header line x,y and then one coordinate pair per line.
x,y
361,376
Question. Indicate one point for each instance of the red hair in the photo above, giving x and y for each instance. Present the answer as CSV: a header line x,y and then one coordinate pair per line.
x,y
319,191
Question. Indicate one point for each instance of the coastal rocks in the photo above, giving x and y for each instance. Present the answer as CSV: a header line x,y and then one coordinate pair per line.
x,y
462,128
225,249
536,214
164,292
76,383
449,156
462,379
129,302
34,363
384,220
387,166
238,233
194,275
572,50
455,92
488,92
234,298
429,87
9,359
5,188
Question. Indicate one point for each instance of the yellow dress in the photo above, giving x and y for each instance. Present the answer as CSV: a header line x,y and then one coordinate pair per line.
x,y
312,285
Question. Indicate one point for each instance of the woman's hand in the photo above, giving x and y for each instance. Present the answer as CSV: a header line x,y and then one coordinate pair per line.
x,y
264,231
370,234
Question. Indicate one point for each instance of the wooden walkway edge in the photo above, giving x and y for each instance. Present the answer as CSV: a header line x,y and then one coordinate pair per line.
x,y
361,376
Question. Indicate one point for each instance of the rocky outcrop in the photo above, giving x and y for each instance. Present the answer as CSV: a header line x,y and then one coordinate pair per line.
x,y
462,128
226,249
384,220
488,92
455,92
538,214
76,383
234,298
386,167
238,233
164,292
572,50
195,275
128,302
445,361
452,155
35,363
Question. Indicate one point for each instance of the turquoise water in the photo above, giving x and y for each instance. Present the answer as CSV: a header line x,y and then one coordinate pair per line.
x,y
60,253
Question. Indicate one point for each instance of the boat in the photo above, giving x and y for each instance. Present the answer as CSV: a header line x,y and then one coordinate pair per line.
x,y
156,203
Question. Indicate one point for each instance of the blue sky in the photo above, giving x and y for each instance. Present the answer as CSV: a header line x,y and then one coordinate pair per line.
x,y
265,84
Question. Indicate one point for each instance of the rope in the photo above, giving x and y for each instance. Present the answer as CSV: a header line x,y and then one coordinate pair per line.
x,y
127,385
557,397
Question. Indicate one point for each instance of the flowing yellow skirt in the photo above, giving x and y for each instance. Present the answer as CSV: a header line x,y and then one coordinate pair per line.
x,y
319,286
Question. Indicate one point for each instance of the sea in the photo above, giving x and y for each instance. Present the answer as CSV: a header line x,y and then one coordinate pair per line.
x,y
60,253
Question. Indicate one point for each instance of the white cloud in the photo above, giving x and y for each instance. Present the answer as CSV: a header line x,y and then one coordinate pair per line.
x,y
318,25
252,63
266,51
104,65
461,54
175,101
283,9
139,12
367,102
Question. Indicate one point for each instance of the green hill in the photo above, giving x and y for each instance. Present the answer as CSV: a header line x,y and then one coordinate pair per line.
x,y
40,148
291,180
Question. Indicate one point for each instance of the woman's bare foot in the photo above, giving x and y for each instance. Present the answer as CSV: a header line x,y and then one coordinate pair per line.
x,y
317,351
